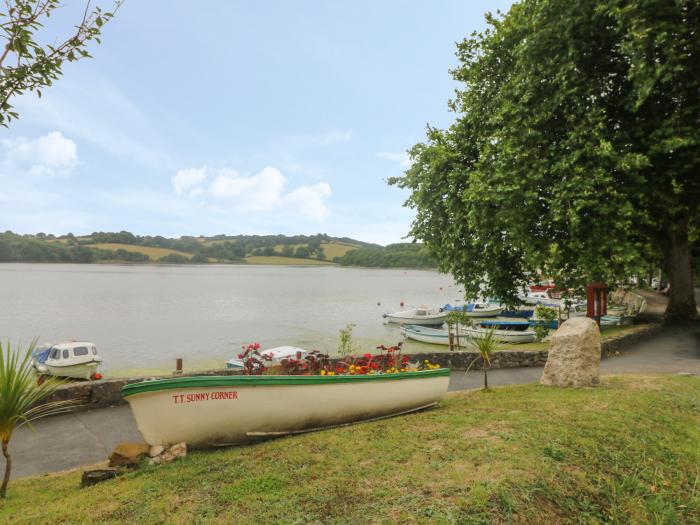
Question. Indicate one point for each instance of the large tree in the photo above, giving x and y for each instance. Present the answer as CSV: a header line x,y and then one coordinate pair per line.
x,y
576,150
27,63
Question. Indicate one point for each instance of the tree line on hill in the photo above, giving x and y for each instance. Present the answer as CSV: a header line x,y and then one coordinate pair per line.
x,y
69,248
399,255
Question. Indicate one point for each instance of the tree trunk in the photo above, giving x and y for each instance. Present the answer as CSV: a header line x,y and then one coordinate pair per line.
x,y
486,379
681,299
8,467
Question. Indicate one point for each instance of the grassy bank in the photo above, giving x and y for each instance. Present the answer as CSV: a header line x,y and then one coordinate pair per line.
x,y
625,452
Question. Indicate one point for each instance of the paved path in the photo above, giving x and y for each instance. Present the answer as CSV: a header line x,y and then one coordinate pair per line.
x,y
84,438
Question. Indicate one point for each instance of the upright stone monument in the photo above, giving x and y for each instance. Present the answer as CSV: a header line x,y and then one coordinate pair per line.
x,y
574,354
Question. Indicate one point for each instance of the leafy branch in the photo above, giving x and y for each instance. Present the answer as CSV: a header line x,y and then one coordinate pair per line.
x,y
26,64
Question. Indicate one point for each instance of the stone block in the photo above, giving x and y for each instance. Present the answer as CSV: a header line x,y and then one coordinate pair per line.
x,y
574,354
128,453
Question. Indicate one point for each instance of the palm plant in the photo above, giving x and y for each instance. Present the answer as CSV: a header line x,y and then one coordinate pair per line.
x,y
20,395
485,346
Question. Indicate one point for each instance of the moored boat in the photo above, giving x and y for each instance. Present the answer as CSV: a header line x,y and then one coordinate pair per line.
x,y
418,316
521,314
424,334
224,410
504,324
503,336
475,309
78,360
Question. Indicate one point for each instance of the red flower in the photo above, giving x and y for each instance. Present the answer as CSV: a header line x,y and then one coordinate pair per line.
x,y
339,369
367,356
256,346
404,359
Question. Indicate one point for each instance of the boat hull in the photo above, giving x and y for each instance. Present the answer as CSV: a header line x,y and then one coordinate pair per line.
x,y
224,410
79,371
435,337
436,320
503,336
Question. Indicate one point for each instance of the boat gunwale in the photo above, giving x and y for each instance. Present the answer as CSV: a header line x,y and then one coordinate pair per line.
x,y
155,385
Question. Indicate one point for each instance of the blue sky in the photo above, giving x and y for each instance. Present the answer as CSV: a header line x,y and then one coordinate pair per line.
x,y
238,118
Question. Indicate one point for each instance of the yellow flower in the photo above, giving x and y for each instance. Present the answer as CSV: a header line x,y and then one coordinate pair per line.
x,y
323,372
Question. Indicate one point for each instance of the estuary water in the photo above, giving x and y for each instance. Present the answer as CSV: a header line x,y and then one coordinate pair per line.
x,y
144,317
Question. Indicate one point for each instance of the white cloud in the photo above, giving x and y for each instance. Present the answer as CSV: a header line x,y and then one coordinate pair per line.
x,y
309,201
262,192
187,181
51,155
402,158
259,192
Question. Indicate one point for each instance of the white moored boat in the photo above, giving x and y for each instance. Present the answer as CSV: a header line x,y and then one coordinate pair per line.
x,y
503,336
418,316
77,360
278,353
224,410
424,334
476,309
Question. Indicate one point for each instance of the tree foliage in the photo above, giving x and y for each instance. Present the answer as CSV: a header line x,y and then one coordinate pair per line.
x,y
399,255
28,65
575,151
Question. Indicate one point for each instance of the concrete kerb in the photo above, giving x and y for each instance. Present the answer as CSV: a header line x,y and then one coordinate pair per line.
x,y
107,392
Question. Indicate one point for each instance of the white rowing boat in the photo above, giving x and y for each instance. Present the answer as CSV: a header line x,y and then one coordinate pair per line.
x,y
502,336
418,316
224,410
424,334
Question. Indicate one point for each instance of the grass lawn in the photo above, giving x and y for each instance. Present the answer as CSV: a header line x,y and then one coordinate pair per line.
x,y
625,452
153,253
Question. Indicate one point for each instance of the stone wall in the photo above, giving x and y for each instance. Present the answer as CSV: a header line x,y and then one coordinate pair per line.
x,y
107,392
633,301
617,343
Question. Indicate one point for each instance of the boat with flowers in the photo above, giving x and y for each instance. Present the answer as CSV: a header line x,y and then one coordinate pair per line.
x,y
224,410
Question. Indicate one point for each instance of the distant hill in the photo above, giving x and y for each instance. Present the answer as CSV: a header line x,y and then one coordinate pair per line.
x,y
400,255
104,247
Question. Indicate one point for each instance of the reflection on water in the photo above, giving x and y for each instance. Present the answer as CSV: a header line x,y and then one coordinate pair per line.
x,y
143,317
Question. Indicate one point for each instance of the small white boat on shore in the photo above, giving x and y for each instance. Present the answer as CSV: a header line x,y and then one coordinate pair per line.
x,y
225,410
418,316
278,353
75,359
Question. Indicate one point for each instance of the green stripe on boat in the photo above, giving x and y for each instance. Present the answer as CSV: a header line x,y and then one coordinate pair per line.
x,y
155,385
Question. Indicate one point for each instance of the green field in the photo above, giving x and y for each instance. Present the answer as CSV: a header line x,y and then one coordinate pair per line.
x,y
625,452
336,249
153,253
275,259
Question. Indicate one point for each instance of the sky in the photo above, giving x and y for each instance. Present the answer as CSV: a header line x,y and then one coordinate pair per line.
x,y
236,117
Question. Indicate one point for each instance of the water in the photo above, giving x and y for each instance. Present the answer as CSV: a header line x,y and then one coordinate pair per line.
x,y
143,317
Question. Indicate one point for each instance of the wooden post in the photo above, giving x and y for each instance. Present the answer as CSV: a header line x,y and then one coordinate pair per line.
x,y
450,340
178,365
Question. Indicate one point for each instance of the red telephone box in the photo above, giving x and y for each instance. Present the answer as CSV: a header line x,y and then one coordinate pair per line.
x,y
597,305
